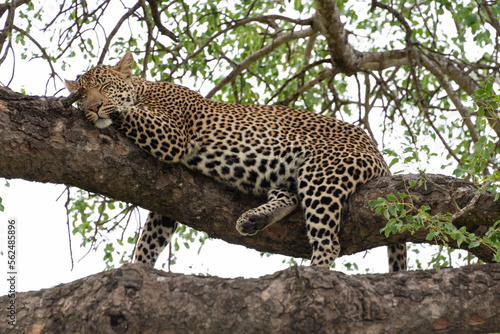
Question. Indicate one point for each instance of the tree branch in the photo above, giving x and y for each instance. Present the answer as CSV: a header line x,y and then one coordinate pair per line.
x,y
279,40
231,25
442,69
464,81
379,61
153,5
117,27
399,17
455,99
139,299
344,56
492,19
45,56
9,21
327,73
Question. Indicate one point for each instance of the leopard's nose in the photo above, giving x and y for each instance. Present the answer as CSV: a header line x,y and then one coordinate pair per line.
x,y
95,108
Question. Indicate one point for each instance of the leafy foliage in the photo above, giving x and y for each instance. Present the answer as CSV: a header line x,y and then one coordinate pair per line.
x,y
93,217
402,215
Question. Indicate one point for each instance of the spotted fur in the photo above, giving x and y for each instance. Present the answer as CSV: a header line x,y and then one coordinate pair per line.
x,y
295,157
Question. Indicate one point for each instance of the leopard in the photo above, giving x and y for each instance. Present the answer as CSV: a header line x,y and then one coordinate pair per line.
x,y
294,157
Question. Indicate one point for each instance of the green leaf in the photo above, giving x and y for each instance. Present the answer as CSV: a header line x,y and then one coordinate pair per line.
x,y
402,195
377,202
430,236
387,214
474,244
393,211
393,162
387,232
471,20
392,198
460,238
496,258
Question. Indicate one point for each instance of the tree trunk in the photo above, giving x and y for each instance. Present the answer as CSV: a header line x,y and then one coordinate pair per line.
x,y
42,141
138,299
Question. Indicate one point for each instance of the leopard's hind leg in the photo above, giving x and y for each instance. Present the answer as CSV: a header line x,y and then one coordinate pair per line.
x,y
323,225
156,234
323,191
323,188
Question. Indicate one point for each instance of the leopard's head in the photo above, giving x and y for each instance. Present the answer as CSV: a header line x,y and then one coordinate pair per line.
x,y
105,89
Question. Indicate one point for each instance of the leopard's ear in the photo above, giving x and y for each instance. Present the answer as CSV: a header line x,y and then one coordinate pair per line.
x,y
124,66
70,85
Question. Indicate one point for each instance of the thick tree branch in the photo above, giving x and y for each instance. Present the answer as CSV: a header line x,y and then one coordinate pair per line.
x,y
41,141
138,299
379,61
344,56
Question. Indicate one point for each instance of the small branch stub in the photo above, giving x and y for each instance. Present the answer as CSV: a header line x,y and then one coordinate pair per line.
x,y
73,97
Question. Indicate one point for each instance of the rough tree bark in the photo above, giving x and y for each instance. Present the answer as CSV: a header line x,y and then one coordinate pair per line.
x,y
138,299
42,141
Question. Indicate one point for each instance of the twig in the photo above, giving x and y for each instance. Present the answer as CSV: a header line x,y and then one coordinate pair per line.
x,y
230,26
433,67
281,39
460,211
296,77
327,73
153,5
68,199
41,48
469,206
73,97
115,31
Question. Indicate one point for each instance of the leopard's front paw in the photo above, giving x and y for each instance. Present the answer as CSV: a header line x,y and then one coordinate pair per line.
x,y
251,223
